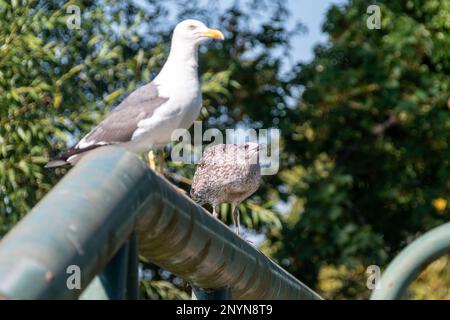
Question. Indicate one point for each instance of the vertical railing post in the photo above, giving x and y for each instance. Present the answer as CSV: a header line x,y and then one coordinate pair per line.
x,y
119,280
132,289
219,294
114,276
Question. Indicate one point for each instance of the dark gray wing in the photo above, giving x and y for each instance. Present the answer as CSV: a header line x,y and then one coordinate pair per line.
x,y
120,125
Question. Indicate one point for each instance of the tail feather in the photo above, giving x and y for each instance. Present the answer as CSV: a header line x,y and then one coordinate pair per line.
x,y
54,163
65,157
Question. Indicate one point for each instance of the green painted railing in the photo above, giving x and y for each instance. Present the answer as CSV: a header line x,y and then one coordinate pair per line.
x,y
411,261
109,206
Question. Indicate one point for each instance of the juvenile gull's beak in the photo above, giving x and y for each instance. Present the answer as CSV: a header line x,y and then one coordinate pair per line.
x,y
253,146
262,146
214,34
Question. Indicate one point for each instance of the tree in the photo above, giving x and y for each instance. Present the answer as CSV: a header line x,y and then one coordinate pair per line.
x,y
57,81
369,143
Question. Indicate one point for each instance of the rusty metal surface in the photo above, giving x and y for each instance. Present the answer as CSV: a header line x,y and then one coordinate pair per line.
x,y
86,218
411,261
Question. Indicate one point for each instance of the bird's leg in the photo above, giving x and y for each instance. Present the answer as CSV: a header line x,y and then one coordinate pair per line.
x,y
236,219
214,211
151,159
161,162
156,160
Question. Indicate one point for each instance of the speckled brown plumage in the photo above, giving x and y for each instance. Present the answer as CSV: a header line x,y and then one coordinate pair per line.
x,y
227,173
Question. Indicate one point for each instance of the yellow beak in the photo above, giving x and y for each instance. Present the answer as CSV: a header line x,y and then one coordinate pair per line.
x,y
213,33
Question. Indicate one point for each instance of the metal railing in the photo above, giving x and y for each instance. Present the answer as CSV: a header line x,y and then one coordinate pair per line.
x,y
411,261
107,208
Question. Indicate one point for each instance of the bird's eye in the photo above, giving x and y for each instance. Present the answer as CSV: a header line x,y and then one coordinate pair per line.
x,y
246,146
192,26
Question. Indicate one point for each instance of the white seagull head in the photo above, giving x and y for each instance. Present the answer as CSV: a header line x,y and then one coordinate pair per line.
x,y
194,32
182,63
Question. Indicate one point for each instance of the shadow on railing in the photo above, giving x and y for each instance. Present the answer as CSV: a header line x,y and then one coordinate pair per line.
x,y
95,217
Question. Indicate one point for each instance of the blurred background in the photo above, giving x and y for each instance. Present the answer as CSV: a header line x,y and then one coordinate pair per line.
x,y
364,116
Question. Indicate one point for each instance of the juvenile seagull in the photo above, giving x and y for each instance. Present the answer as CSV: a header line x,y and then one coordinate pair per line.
x,y
227,173
147,117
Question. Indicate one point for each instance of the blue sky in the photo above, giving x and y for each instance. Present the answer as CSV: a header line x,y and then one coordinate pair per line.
x,y
312,14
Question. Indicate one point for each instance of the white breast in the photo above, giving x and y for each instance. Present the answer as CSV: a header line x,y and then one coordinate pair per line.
x,y
180,111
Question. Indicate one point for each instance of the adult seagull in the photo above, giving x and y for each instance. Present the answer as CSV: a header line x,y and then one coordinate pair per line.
x,y
147,117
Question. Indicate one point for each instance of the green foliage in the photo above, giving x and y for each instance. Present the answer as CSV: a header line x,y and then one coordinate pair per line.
x,y
370,139
432,284
55,83
161,290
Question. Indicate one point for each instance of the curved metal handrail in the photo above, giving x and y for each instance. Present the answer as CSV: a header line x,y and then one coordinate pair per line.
x,y
411,261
